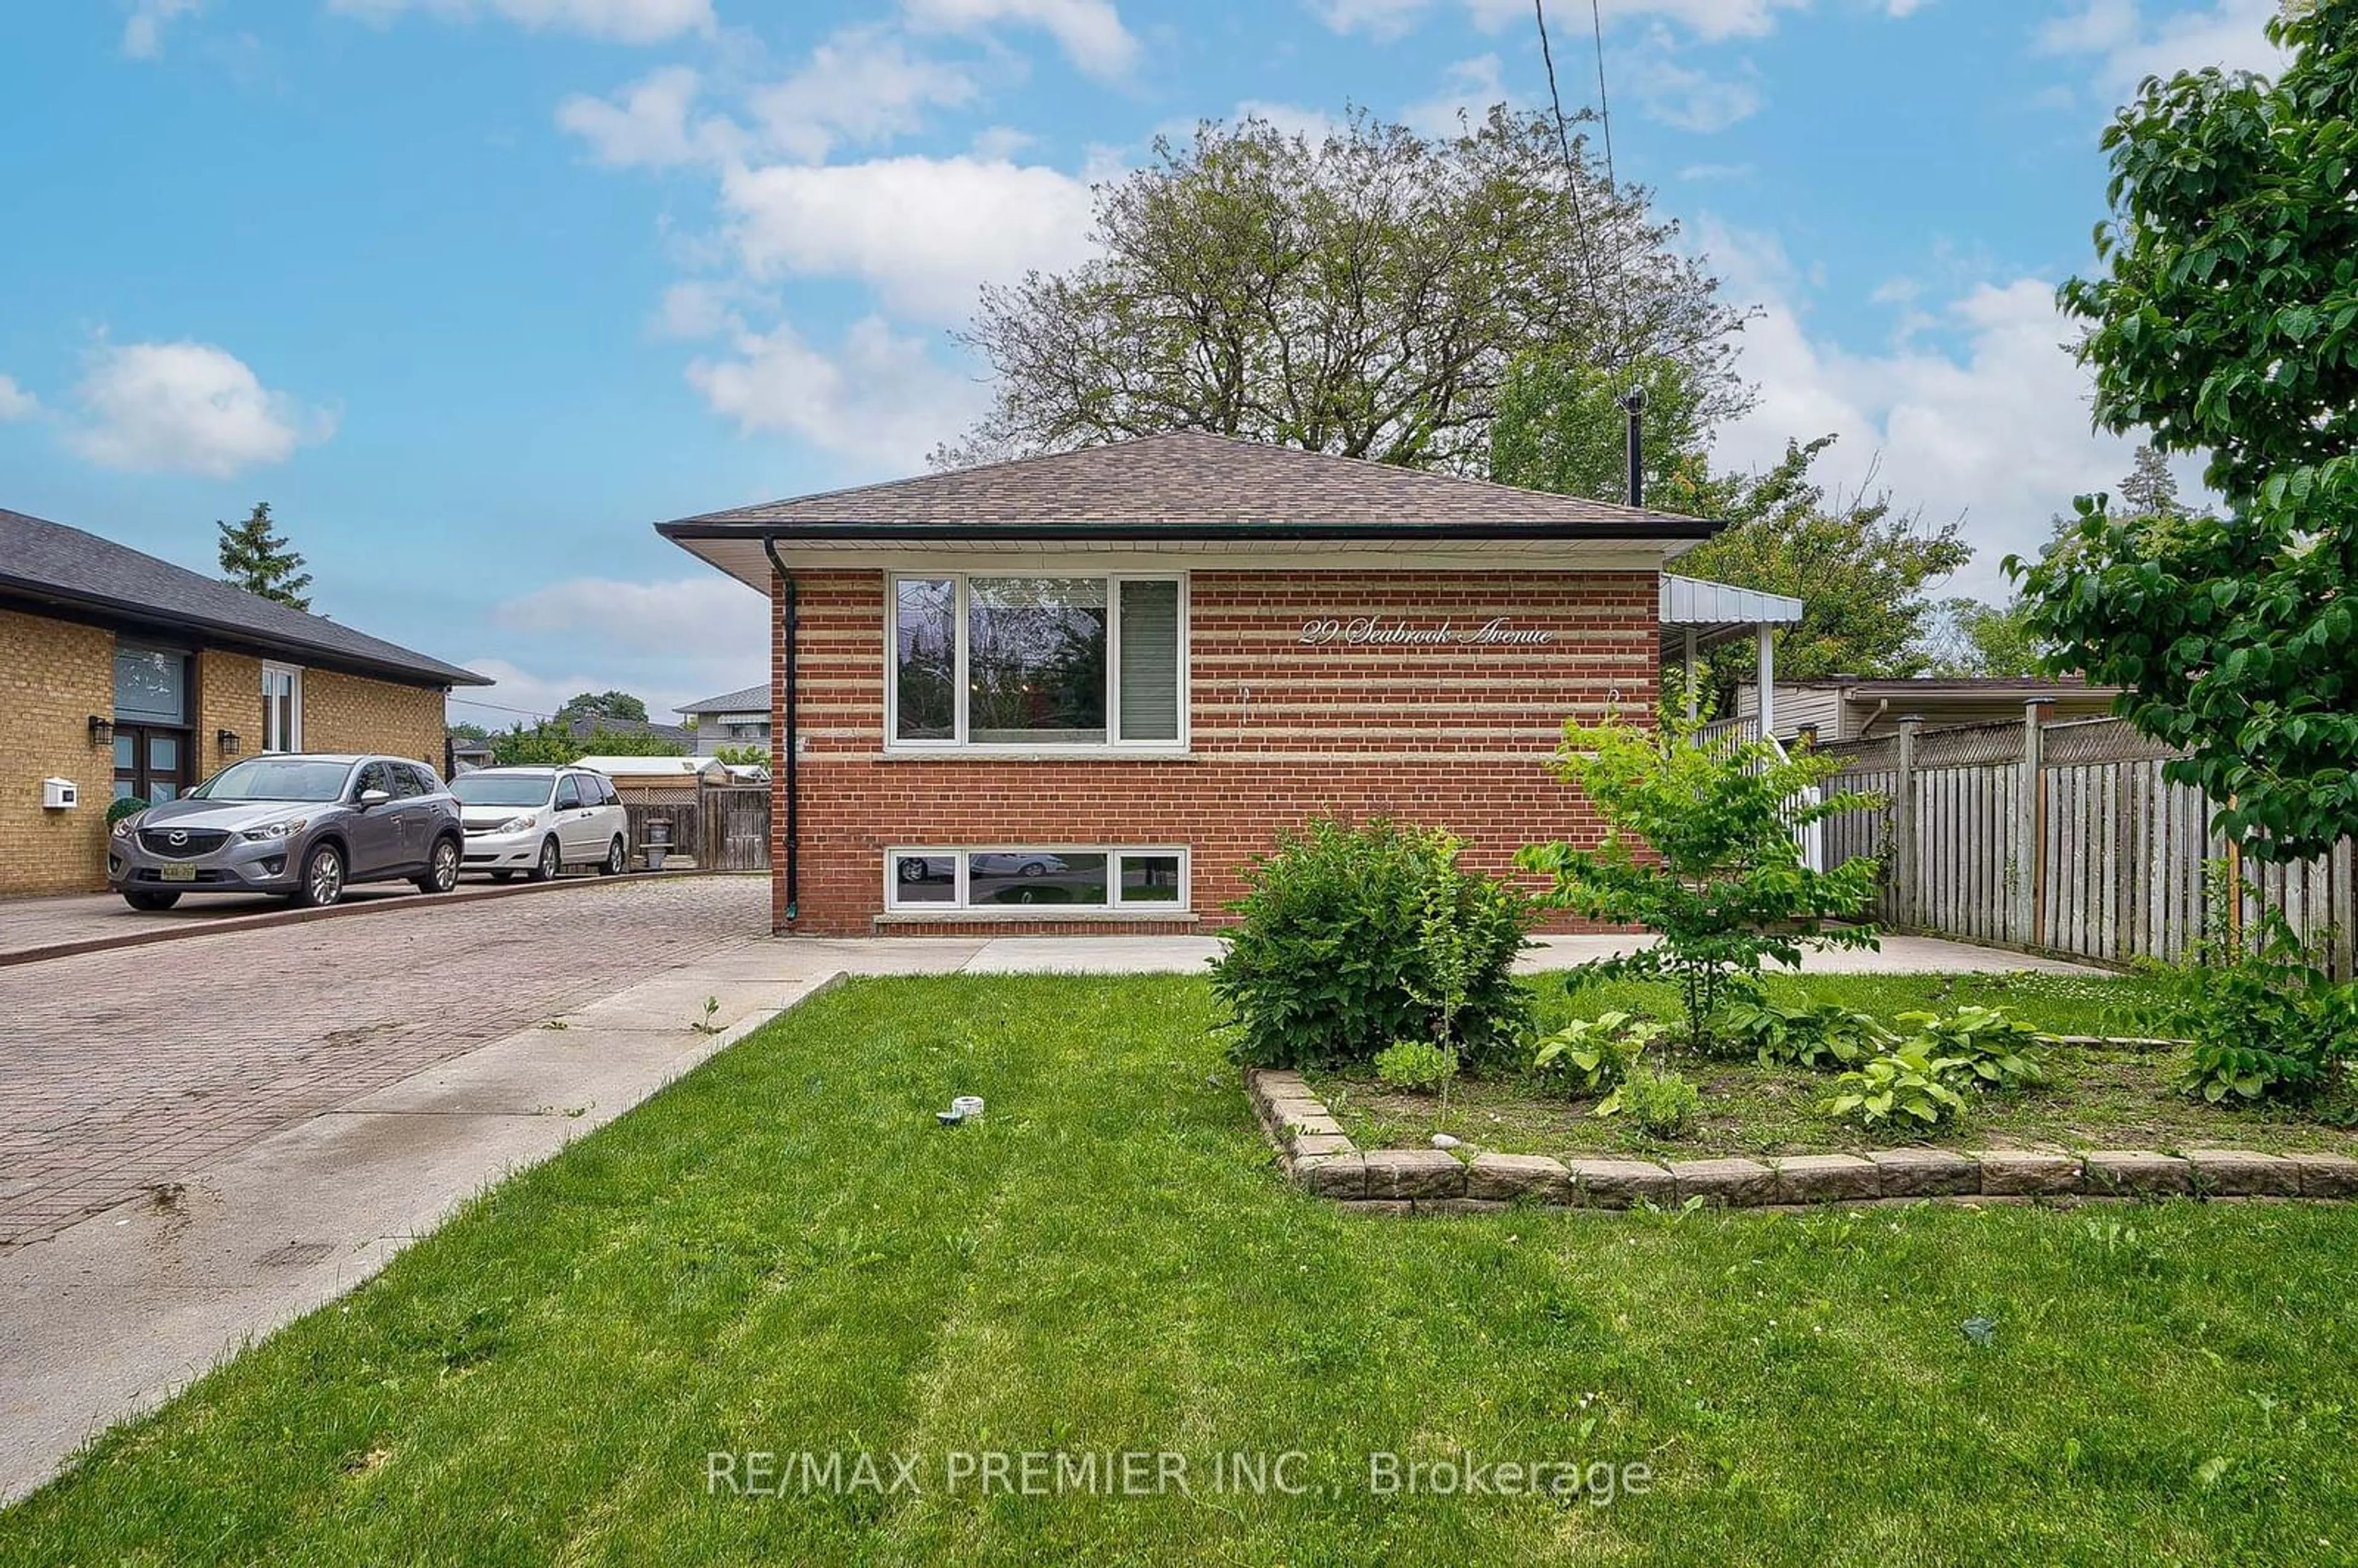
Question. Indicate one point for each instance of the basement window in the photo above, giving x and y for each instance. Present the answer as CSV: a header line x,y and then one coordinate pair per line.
x,y
1067,877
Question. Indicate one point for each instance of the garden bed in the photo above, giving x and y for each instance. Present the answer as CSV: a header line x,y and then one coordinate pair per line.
x,y
2097,1097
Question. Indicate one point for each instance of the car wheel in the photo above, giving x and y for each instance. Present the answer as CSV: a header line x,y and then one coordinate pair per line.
x,y
503,876
550,861
912,870
617,858
442,870
1033,869
151,903
323,877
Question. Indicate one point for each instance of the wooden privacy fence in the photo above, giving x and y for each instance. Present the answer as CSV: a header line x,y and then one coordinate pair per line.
x,y
723,827
2060,838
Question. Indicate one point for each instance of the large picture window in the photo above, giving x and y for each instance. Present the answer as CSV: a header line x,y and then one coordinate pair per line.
x,y
1037,661
1069,878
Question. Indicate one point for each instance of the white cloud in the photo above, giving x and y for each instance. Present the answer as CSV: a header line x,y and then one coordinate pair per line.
x,y
189,407
650,123
2229,33
880,399
643,617
1717,171
1468,89
1994,427
143,33
1090,32
619,21
861,85
925,233
1685,96
15,403
1379,20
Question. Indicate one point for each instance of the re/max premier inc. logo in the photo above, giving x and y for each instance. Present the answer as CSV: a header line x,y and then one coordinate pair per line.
x,y
1498,631
1150,1473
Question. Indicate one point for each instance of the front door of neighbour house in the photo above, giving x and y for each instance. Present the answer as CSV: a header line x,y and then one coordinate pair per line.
x,y
155,748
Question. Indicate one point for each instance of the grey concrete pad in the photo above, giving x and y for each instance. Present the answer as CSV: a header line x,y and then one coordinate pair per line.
x,y
112,1315
1083,955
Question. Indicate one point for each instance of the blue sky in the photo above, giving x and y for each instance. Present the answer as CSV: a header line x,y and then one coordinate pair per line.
x,y
475,290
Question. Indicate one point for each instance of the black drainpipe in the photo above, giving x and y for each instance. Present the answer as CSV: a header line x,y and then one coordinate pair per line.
x,y
1635,405
791,749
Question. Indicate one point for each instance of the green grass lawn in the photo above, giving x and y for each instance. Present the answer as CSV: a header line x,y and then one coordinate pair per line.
x,y
783,1253
2097,1097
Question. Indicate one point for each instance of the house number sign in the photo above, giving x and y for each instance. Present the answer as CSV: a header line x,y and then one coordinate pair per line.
x,y
1374,630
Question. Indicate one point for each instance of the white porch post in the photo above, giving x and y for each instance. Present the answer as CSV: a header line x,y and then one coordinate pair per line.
x,y
1691,694
1766,676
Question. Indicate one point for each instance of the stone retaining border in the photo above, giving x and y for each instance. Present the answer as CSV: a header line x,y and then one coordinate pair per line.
x,y
1320,1159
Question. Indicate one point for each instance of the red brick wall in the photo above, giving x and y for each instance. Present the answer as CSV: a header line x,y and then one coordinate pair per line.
x,y
1453,736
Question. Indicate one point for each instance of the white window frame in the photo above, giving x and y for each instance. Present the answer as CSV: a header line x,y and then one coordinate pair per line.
x,y
294,674
960,901
958,743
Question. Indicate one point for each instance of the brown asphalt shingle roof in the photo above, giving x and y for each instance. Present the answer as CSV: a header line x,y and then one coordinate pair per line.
x,y
1191,479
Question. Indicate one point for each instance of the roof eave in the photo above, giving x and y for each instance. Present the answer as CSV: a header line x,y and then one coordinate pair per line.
x,y
690,529
436,673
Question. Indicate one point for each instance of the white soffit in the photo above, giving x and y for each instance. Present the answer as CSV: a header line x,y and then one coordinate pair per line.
x,y
1691,601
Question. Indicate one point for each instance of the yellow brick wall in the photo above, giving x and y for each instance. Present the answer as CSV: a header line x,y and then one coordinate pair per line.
x,y
53,676
350,713
228,697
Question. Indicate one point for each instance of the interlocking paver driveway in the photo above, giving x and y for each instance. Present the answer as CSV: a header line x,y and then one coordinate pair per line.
x,y
126,1069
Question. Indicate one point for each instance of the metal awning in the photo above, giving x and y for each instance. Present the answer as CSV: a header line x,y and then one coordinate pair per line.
x,y
1716,612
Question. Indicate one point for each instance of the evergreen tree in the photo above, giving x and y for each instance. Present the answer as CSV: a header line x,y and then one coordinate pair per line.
x,y
2150,490
257,560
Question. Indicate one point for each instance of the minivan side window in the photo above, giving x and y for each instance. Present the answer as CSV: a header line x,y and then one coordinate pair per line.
x,y
601,788
568,793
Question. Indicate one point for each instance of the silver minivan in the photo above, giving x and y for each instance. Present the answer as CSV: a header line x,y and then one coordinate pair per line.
x,y
539,820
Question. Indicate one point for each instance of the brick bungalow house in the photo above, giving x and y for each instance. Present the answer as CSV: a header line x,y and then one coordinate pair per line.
x,y
126,675
1077,692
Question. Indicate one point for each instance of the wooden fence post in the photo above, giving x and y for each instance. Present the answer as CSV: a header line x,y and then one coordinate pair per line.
x,y
1906,896
2030,829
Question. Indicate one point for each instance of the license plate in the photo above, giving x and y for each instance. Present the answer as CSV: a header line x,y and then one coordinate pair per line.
x,y
177,873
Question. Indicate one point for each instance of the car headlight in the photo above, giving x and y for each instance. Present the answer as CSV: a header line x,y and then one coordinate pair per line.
x,y
274,831
126,826
523,824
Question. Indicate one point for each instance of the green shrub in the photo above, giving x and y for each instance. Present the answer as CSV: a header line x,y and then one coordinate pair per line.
x,y
1590,1055
2265,1019
1418,1065
1698,845
1663,1104
1901,1084
1351,939
1777,1035
125,808
1989,1049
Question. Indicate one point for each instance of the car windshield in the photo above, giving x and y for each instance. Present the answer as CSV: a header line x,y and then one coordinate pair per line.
x,y
277,778
503,789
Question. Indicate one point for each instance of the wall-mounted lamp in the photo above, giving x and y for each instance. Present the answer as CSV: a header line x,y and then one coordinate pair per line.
x,y
227,740
101,731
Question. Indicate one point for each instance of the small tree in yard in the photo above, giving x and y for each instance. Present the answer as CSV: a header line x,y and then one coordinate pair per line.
x,y
2227,322
255,558
1700,845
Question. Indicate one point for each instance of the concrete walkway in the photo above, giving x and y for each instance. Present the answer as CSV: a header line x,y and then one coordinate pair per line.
x,y
112,1315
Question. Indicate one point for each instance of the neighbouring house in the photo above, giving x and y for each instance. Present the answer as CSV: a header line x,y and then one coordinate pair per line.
x,y
123,675
1082,691
467,753
1845,708
735,720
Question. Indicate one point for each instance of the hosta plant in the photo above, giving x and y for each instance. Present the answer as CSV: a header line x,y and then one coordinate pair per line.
x,y
1992,1050
1590,1055
1904,1085
1779,1035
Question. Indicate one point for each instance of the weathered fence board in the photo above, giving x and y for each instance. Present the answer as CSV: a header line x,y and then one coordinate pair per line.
x,y
2065,840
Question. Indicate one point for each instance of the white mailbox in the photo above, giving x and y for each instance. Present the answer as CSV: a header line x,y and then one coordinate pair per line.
x,y
60,795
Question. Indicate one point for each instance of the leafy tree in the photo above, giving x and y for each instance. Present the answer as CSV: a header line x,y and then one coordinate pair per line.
x,y
1698,845
468,731
545,745
604,704
256,559
1979,639
743,756
603,743
1363,293
1862,569
1562,428
2226,321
